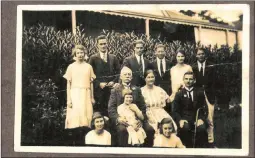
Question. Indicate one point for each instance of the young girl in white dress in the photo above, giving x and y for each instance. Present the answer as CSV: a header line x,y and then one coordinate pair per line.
x,y
98,135
79,76
167,136
133,116
177,72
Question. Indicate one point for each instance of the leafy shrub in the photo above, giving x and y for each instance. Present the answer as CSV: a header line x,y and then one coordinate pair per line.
x,y
47,53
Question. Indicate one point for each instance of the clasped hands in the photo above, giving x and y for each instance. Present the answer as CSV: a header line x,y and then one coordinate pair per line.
x,y
109,84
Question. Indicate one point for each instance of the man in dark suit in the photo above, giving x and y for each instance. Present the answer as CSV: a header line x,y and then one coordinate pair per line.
x,y
116,99
106,67
205,78
186,104
138,64
161,68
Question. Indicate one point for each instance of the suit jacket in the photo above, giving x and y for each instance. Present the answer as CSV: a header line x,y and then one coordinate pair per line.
x,y
103,69
116,99
207,81
184,109
163,81
138,75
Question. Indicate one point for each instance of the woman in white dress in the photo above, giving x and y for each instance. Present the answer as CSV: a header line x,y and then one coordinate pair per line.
x,y
177,72
98,135
155,98
79,76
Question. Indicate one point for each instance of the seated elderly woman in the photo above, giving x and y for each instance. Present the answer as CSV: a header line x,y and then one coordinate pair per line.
x,y
155,99
167,136
98,136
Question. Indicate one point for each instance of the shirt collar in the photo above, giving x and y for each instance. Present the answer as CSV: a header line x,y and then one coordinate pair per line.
x,y
189,89
126,85
201,63
102,54
137,56
163,60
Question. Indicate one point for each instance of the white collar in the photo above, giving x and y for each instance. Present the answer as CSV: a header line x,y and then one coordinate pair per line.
x,y
137,56
163,60
199,63
102,54
189,89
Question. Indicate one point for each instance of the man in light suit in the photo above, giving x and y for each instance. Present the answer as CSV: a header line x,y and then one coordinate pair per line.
x,y
186,104
205,78
106,67
138,64
116,99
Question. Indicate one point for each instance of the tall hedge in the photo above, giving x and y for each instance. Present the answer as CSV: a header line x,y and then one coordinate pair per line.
x,y
47,53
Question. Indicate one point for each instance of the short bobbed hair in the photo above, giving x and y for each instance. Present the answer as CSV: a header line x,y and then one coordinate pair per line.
x,y
147,72
166,121
78,46
95,116
182,52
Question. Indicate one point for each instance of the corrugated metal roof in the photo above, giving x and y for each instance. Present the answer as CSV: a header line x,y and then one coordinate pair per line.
x,y
168,16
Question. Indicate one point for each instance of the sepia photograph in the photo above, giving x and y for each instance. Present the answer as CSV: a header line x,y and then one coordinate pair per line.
x,y
140,79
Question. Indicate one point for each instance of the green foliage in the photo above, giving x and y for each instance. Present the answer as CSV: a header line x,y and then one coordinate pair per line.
x,y
47,53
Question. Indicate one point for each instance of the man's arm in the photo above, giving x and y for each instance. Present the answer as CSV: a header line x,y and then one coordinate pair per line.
x,y
112,106
92,63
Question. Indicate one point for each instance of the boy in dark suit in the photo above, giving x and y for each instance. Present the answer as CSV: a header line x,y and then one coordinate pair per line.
x,y
116,99
106,67
186,104
204,72
138,64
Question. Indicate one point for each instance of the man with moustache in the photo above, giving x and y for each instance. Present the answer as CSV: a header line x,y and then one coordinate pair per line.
x,y
116,99
204,72
186,104
138,64
106,67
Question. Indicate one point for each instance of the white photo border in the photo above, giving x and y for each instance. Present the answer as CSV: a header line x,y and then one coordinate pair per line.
x,y
244,151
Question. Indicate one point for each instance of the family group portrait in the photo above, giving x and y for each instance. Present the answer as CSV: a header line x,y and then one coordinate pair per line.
x,y
138,78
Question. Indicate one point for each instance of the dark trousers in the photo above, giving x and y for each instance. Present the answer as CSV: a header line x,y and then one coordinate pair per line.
x,y
122,135
102,97
187,135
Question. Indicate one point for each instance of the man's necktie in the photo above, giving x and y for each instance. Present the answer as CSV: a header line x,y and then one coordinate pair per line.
x,y
190,96
161,68
140,63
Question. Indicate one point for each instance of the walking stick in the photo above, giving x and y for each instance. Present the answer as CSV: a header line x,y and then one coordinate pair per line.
x,y
194,137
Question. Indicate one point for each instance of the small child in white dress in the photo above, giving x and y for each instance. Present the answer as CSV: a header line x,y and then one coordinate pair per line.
x,y
133,117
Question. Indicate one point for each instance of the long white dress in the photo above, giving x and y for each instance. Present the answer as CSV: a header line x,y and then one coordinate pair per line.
x,y
155,100
177,73
80,75
98,139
